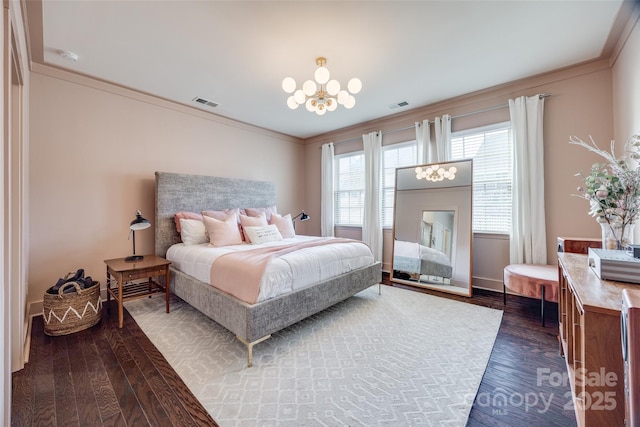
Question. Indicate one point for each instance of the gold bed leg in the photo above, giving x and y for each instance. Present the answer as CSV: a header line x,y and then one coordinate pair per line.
x,y
250,348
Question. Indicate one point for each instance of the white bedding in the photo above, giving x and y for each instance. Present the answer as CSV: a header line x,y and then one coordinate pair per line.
x,y
290,272
415,250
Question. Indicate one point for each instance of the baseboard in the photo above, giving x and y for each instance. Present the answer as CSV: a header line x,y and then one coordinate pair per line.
x,y
27,339
487,283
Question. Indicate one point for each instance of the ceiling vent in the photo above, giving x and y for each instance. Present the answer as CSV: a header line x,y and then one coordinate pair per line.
x,y
398,105
205,102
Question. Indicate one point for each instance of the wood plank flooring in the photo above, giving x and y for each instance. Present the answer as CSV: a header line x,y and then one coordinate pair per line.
x,y
102,376
105,376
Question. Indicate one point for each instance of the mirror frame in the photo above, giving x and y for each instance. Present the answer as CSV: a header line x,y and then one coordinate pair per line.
x,y
441,195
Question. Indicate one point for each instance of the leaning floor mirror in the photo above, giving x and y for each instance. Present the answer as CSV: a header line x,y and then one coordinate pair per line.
x,y
432,227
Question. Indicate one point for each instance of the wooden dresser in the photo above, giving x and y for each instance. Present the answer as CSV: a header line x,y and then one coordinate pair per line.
x,y
589,317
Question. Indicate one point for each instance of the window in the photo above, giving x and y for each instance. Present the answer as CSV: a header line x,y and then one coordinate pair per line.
x,y
490,148
393,156
349,191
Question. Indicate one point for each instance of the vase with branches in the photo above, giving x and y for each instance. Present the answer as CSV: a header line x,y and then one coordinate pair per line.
x,y
613,190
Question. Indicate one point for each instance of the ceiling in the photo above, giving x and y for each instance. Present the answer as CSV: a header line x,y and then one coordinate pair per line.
x,y
236,53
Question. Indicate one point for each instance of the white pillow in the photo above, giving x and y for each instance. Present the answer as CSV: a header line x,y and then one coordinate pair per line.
x,y
257,235
193,231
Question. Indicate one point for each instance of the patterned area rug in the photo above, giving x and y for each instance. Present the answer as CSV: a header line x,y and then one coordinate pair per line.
x,y
400,358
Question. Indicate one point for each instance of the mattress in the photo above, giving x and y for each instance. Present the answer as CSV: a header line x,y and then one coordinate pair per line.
x,y
412,257
290,272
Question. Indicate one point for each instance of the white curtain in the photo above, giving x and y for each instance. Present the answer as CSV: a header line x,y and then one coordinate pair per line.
x,y
371,224
528,241
326,206
443,139
427,150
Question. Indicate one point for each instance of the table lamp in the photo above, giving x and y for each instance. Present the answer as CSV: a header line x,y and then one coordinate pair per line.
x,y
139,223
303,217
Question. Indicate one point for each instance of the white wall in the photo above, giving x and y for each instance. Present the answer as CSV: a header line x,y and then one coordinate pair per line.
x,y
13,188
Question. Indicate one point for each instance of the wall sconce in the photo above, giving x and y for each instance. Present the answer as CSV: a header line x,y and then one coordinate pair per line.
x,y
139,223
436,173
303,217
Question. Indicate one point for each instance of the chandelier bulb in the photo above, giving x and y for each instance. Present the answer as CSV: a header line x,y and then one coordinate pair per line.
x,y
291,102
350,102
310,105
343,95
333,87
354,85
289,85
309,87
322,75
299,96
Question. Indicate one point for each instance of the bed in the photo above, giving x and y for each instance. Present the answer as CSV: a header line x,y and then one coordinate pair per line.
x,y
414,258
251,323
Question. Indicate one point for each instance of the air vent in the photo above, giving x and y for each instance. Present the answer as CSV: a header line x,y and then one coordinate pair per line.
x,y
205,102
398,105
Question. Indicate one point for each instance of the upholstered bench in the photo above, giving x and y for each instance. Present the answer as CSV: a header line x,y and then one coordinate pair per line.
x,y
532,280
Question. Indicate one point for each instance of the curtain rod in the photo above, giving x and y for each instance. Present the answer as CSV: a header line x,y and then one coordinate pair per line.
x,y
484,110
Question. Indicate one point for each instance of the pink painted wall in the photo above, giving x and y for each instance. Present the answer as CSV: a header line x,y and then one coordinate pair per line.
x,y
94,150
626,86
581,104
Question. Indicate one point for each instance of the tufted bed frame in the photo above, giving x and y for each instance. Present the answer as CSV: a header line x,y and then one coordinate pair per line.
x,y
251,323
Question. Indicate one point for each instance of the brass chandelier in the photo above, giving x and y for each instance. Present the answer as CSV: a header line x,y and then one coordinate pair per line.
x,y
321,95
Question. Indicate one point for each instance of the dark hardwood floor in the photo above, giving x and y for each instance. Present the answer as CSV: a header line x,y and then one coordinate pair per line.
x,y
106,376
102,376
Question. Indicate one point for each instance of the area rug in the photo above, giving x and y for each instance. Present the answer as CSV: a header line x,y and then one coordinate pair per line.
x,y
399,358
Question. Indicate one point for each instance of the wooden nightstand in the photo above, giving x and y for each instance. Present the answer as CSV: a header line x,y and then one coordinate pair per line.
x,y
149,267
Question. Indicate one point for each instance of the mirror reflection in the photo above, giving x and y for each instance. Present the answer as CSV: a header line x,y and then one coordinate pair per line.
x,y
429,259
432,227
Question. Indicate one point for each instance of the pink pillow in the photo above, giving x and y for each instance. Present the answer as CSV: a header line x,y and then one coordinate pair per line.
x,y
259,220
223,233
284,224
252,221
268,211
221,215
185,215
224,214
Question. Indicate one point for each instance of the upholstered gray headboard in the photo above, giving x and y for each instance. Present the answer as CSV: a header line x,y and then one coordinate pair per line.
x,y
195,193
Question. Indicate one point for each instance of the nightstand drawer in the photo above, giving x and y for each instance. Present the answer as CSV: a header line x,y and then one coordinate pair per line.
x,y
143,274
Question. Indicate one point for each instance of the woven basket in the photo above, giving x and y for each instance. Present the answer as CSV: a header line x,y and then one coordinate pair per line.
x,y
72,312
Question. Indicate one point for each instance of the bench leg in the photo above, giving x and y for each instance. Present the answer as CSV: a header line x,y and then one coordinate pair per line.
x,y
542,305
504,294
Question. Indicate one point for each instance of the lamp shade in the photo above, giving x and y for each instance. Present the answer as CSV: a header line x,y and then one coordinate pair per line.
x,y
302,215
139,223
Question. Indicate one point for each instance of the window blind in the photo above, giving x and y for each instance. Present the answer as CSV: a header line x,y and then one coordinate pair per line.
x,y
394,156
490,148
349,191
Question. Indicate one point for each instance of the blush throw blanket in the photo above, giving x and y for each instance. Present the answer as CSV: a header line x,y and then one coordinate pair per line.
x,y
239,273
